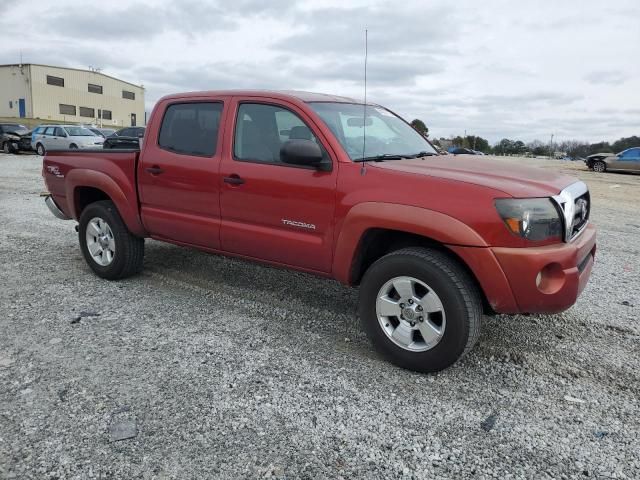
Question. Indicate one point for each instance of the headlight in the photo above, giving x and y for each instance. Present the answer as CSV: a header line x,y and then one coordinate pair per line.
x,y
535,219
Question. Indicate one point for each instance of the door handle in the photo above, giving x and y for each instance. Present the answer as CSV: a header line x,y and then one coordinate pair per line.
x,y
155,170
234,180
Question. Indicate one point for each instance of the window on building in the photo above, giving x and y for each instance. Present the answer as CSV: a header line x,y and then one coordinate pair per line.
x,y
128,95
191,128
57,81
87,112
67,109
106,114
95,88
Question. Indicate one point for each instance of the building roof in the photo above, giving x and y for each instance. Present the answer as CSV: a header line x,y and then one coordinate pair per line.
x,y
70,68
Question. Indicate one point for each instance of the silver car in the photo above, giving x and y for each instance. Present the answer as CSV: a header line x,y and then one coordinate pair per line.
x,y
628,159
64,137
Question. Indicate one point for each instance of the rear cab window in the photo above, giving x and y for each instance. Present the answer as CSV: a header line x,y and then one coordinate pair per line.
x,y
191,128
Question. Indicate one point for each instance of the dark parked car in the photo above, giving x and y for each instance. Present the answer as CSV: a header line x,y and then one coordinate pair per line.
x,y
128,137
103,132
14,138
462,151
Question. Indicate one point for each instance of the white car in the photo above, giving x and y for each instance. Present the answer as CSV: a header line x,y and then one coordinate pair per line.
x,y
64,137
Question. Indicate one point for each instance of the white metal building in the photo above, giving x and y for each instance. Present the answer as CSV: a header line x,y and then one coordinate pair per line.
x,y
69,95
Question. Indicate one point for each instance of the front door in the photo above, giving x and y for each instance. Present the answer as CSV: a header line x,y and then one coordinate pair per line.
x,y
629,159
178,173
271,210
133,119
22,108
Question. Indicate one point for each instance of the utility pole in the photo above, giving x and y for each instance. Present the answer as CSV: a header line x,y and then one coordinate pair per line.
x,y
99,112
551,147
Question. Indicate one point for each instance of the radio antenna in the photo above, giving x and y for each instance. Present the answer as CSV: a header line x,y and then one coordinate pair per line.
x,y
363,167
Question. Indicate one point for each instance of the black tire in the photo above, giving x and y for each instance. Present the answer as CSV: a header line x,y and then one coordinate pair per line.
x,y
458,293
73,146
129,249
599,166
40,150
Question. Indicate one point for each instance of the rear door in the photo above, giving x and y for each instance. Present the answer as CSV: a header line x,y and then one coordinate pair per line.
x,y
60,139
271,210
47,137
178,172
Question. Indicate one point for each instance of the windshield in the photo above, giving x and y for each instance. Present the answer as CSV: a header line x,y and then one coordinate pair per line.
x,y
387,135
14,127
79,132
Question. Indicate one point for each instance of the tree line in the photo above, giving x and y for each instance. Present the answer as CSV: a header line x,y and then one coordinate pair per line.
x,y
506,146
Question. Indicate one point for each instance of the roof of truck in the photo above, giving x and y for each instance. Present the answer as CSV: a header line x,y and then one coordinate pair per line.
x,y
279,94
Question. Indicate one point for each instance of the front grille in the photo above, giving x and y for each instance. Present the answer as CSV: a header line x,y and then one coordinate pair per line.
x,y
575,205
582,207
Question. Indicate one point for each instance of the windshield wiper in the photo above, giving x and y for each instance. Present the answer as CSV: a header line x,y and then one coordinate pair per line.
x,y
422,154
381,158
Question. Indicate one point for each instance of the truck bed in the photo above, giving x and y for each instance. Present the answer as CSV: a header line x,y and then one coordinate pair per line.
x,y
66,170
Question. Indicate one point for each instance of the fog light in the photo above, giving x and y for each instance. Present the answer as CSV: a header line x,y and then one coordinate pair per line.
x,y
550,279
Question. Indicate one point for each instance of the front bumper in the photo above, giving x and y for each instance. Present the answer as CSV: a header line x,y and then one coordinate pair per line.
x,y
548,279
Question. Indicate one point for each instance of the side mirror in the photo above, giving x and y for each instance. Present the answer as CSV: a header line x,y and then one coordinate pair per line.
x,y
303,152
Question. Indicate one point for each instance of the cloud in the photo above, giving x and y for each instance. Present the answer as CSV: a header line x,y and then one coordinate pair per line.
x,y
494,71
606,77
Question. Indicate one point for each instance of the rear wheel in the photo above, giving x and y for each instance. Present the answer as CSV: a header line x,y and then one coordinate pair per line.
x,y
73,146
108,247
420,309
40,149
599,166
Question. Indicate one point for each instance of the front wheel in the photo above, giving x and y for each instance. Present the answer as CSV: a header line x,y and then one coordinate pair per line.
x,y
599,167
420,309
108,247
6,147
40,149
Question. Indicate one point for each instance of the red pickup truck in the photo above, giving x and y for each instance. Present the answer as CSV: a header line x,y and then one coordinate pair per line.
x,y
330,186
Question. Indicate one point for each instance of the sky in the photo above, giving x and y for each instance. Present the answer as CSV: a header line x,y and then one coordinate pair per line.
x,y
494,68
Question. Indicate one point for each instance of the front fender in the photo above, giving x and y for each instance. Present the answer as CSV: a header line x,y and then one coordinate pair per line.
x,y
125,201
404,218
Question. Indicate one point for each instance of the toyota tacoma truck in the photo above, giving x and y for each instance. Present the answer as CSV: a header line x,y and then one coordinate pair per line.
x,y
341,189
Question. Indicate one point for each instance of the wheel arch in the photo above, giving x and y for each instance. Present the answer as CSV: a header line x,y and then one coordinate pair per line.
x,y
84,187
377,242
373,229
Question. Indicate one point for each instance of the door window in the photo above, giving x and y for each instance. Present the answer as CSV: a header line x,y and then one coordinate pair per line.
x,y
49,131
60,132
191,128
631,155
261,130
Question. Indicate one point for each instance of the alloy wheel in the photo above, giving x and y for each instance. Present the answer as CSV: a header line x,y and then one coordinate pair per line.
x,y
100,241
411,314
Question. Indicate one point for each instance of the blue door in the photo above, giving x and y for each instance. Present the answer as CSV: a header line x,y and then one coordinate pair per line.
x,y
21,108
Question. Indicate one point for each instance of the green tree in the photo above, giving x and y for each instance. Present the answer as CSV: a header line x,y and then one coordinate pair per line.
x,y
420,127
625,143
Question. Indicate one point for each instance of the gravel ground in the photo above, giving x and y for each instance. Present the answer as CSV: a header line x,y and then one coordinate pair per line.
x,y
206,367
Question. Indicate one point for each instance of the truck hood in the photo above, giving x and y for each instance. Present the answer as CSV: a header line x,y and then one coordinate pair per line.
x,y
513,180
